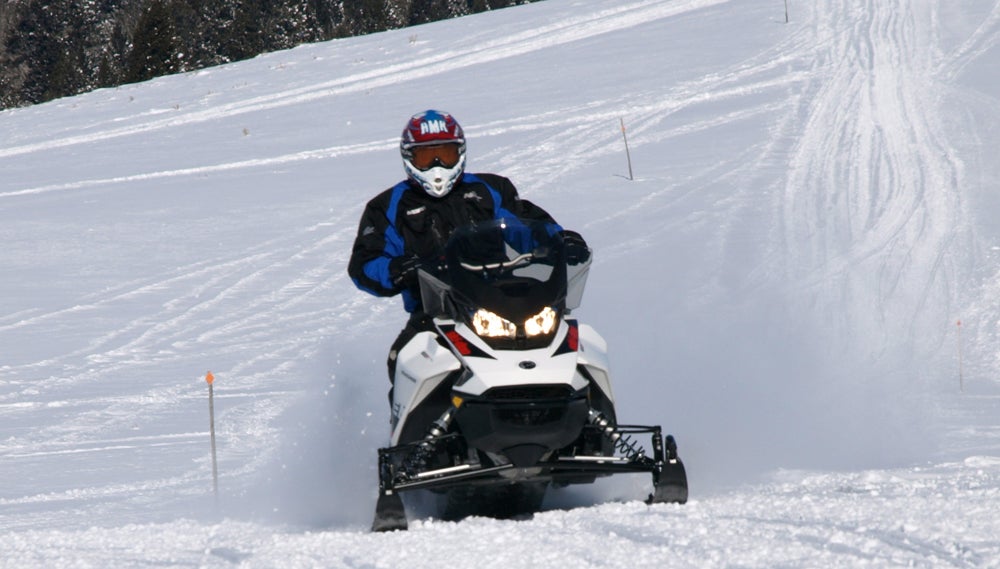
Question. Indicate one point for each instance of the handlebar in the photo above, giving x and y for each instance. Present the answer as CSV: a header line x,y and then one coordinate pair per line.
x,y
515,262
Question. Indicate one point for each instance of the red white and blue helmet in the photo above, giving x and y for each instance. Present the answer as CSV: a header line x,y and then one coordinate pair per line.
x,y
433,150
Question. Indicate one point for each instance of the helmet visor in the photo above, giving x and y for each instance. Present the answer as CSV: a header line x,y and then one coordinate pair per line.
x,y
424,157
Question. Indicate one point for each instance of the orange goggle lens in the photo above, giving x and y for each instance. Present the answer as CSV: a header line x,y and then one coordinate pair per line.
x,y
425,157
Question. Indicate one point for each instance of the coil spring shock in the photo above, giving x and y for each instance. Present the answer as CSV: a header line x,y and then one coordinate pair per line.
x,y
417,460
622,442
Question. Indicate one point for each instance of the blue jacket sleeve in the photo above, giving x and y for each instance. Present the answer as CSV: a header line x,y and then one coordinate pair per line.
x,y
376,244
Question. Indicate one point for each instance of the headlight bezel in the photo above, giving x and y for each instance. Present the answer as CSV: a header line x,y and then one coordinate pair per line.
x,y
488,324
500,333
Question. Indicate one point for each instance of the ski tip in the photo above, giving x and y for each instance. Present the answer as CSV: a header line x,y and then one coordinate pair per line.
x,y
670,484
668,494
390,515
382,525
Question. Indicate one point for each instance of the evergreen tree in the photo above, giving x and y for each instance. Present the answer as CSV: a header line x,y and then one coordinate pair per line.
x,y
364,17
42,47
423,11
484,5
111,54
244,36
154,45
66,73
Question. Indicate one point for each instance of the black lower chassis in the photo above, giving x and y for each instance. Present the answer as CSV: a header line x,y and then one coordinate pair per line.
x,y
667,470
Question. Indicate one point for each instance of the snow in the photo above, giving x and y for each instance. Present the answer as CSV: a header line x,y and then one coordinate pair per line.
x,y
812,215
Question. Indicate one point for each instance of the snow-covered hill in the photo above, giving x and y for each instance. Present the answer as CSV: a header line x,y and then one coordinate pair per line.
x,y
781,285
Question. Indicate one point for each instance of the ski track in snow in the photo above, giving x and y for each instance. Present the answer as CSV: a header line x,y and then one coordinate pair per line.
x,y
288,159
212,311
872,178
818,520
851,103
535,38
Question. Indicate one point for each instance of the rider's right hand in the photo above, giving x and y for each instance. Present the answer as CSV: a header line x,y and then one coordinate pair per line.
x,y
403,271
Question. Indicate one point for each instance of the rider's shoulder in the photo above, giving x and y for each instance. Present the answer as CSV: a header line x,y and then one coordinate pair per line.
x,y
491,179
383,200
495,182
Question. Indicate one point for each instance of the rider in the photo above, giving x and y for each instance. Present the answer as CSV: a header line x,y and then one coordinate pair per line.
x,y
411,221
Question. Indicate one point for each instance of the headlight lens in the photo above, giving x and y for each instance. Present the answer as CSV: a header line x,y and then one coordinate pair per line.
x,y
542,323
489,325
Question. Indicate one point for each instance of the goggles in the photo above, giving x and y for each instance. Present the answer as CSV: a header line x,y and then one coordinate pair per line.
x,y
425,157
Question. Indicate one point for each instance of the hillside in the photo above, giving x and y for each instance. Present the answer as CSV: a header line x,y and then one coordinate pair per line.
x,y
812,214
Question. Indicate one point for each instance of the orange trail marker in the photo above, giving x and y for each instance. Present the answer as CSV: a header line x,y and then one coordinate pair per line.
x,y
210,379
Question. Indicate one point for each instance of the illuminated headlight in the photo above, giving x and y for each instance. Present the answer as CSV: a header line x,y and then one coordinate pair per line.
x,y
542,323
489,325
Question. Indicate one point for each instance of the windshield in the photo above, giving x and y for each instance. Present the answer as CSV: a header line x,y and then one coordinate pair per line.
x,y
510,267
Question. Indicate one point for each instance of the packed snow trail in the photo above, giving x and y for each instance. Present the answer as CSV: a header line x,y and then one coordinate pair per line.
x,y
939,516
875,182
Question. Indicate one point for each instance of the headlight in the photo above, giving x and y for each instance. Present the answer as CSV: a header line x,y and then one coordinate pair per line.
x,y
542,323
489,325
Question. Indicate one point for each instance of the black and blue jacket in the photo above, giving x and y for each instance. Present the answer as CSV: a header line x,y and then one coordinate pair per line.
x,y
405,221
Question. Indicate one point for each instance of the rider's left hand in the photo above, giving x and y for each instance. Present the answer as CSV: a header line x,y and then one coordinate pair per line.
x,y
576,248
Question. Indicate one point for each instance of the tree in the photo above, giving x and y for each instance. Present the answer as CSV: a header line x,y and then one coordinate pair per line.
x,y
66,73
484,5
423,11
42,48
244,37
364,17
154,45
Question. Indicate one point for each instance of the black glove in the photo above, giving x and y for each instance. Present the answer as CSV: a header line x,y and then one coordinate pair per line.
x,y
403,271
576,248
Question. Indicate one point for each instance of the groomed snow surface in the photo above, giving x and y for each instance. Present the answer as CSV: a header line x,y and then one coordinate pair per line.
x,y
801,284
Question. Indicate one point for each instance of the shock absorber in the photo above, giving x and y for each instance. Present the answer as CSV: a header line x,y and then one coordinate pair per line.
x,y
622,442
417,459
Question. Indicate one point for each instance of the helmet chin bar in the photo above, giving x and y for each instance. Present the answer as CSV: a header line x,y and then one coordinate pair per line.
x,y
438,186
437,181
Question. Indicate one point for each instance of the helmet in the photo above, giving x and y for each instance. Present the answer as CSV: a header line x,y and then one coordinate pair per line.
x,y
433,149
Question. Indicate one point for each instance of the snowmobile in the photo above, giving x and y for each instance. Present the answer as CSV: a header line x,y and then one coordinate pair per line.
x,y
509,394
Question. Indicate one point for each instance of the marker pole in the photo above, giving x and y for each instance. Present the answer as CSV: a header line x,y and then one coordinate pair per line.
x,y
627,154
210,379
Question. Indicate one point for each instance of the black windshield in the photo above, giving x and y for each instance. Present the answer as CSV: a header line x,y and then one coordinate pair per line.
x,y
509,267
